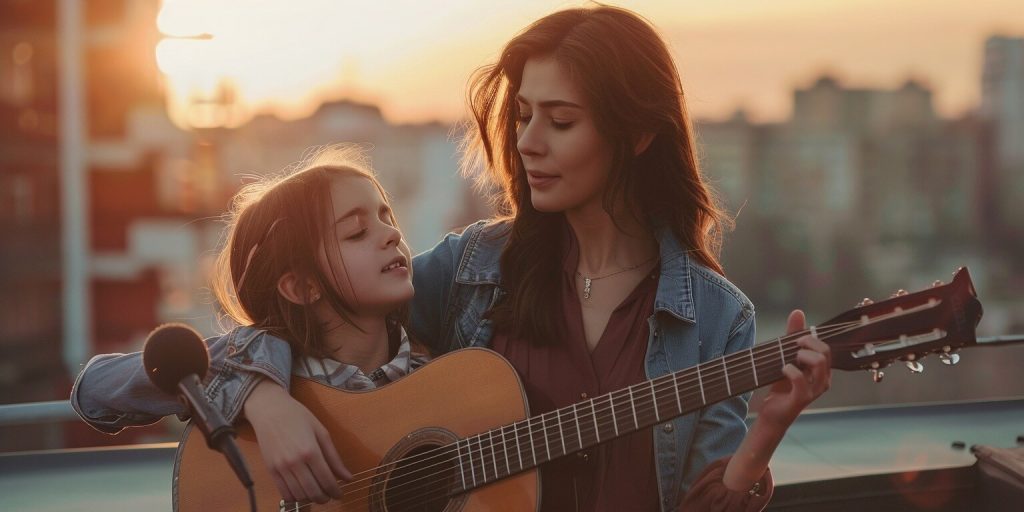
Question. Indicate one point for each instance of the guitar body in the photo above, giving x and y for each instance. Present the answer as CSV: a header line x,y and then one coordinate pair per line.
x,y
454,396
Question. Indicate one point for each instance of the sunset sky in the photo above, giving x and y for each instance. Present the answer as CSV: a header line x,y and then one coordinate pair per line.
x,y
412,57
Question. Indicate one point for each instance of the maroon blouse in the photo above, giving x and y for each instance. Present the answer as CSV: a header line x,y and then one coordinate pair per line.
x,y
618,475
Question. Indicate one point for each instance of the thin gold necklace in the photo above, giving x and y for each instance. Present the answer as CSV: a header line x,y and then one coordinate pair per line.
x,y
587,281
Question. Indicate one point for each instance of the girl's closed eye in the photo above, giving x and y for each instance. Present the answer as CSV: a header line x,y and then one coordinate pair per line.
x,y
357,235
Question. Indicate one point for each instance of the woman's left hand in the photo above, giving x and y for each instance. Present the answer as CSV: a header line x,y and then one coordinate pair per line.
x,y
806,379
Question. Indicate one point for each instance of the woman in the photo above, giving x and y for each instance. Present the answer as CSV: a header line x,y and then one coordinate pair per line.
x,y
602,272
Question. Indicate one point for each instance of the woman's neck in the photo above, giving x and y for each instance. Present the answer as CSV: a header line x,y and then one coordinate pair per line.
x,y
606,247
366,346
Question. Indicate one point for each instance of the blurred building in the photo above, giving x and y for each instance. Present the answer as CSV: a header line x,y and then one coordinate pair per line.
x,y
856,188
1002,105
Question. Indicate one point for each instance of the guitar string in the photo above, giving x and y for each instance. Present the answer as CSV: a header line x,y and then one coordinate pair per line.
x,y
769,346
714,383
767,350
829,329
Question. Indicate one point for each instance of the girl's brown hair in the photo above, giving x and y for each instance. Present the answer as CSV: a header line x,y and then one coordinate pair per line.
x,y
625,70
281,224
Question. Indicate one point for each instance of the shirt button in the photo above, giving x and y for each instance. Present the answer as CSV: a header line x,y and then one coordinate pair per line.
x,y
668,427
583,396
583,456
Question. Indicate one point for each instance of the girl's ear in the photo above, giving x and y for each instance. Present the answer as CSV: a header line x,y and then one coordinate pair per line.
x,y
643,143
297,291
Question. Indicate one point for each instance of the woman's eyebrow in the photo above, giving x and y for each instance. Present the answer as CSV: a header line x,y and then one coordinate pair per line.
x,y
551,103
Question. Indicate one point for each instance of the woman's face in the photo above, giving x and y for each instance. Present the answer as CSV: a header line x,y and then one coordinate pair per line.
x,y
366,258
566,160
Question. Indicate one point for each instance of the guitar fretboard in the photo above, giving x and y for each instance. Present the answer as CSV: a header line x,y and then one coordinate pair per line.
x,y
523,445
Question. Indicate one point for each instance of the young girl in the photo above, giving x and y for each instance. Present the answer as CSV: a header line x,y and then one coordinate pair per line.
x,y
603,271
313,257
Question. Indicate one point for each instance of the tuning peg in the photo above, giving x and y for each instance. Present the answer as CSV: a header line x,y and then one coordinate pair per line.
x,y
948,356
865,302
937,283
949,359
877,375
915,366
899,293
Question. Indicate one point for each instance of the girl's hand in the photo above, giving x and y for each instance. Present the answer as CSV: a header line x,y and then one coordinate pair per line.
x,y
805,381
295,446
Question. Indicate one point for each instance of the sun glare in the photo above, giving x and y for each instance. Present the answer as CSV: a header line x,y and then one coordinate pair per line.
x,y
412,58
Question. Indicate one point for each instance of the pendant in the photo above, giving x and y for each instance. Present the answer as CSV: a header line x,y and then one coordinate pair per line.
x,y
586,288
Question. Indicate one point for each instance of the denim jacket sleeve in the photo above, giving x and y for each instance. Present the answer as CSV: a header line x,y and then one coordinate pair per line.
x,y
722,426
113,391
432,277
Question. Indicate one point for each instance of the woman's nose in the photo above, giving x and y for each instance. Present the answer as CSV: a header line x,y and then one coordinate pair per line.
x,y
530,142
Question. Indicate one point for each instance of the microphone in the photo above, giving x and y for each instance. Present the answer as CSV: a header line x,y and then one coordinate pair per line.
x,y
176,359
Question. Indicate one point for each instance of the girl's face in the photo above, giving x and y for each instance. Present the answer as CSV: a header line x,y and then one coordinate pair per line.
x,y
567,161
365,256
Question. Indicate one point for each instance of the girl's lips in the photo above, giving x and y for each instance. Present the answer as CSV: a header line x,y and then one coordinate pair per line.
x,y
540,180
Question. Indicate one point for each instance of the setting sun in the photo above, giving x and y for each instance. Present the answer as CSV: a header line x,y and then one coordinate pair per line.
x,y
412,58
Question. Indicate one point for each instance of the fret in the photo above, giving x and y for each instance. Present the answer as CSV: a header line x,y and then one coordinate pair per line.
x,y
675,385
725,370
782,352
504,449
700,380
615,421
533,446
544,432
472,465
753,368
462,470
593,413
558,418
632,405
494,454
579,433
654,398
519,451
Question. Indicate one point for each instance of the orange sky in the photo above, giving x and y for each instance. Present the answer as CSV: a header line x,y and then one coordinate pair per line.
x,y
413,57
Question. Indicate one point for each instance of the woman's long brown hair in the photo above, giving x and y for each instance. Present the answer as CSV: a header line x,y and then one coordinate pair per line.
x,y
625,70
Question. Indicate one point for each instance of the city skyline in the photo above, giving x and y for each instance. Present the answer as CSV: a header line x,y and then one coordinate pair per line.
x,y
413,60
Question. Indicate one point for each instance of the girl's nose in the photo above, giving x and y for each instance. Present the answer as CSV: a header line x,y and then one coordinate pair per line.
x,y
392,236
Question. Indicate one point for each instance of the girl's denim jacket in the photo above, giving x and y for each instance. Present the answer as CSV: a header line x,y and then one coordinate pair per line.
x,y
698,316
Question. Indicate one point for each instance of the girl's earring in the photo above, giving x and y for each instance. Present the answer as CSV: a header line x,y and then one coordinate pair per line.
x,y
315,297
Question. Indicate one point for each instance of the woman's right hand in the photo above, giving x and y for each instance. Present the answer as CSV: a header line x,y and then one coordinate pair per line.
x,y
295,446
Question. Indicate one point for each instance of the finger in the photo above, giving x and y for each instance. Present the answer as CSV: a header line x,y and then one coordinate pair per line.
x,y
795,323
815,367
815,344
797,379
331,453
310,488
324,477
291,488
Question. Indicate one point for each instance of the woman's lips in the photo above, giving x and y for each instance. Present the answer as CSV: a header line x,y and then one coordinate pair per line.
x,y
540,180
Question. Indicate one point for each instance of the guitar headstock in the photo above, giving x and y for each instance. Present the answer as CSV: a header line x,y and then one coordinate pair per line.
x,y
907,327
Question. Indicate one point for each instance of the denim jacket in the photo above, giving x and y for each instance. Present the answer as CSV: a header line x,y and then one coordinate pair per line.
x,y
698,316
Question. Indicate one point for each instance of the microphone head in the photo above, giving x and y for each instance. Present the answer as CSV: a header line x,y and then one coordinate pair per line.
x,y
172,352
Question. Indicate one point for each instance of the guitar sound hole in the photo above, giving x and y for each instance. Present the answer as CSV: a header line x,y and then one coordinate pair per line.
x,y
420,482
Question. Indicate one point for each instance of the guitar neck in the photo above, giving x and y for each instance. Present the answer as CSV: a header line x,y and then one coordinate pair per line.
x,y
523,445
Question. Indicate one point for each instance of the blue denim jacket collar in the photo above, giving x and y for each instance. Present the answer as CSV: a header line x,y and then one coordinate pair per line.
x,y
481,264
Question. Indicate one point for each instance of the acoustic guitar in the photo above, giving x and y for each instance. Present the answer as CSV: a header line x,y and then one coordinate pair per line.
x,y
457,434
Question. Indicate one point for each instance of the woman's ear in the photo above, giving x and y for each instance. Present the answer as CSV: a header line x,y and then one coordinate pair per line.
x,y
642,143
297,291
